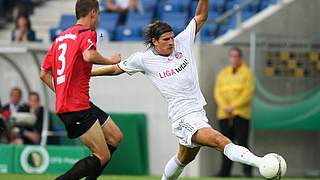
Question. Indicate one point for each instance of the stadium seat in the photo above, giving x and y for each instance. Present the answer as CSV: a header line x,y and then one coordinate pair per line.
x,y
102,5
232,22
66,21
246,15
148,5
124,33
176,20
230,5
184,5
208,33
138,20
54,32
265,3
219,5
109,22
168,7
194,5
222,29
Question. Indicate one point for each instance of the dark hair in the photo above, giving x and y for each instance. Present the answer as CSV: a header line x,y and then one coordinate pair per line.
x,y
235,48
83,7
16,89
155,30
27,19
33,93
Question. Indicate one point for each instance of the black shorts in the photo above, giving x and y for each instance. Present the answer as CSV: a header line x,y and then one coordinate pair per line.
x,y
77,123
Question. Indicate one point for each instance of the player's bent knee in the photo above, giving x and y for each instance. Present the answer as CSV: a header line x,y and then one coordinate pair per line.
x,y
118,137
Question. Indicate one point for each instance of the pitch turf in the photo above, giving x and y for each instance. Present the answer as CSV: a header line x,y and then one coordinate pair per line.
x,y
50,177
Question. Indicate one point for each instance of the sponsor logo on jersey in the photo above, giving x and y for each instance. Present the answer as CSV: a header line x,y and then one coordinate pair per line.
x,y
171,72
178,55
66,36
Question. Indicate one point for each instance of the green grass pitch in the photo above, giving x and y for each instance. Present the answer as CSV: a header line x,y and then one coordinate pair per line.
x,y
50,177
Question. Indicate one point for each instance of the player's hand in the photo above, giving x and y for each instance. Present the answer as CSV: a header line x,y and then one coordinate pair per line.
x,y
115,58
228,110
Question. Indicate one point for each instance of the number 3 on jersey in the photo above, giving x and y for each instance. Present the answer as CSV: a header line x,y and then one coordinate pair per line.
x,y
60,72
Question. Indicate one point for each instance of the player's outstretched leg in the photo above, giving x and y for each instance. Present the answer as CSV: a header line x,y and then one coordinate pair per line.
x,y
213,138
113,137
177,163
91,165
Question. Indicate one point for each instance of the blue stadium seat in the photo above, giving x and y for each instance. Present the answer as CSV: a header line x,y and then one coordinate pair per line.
x,y
222,29
124,33
168,7
67,20
213,15
219,5
184,4
232,22
265,3
138,20
54,32
102,5
194,5
208,32
176,20
148,5
246,15
108,21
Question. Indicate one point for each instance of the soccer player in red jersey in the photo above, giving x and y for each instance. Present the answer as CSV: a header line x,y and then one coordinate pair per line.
x,y
66,70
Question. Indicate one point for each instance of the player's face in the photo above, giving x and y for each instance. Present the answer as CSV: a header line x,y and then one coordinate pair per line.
x,y
165,44
15,97
34,101
235,58
22,23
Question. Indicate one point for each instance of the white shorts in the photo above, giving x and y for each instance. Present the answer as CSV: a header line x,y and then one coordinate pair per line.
x,y
186,126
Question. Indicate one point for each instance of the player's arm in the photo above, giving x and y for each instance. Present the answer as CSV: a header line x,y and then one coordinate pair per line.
x,y
94,57
110,70
201,14
46,77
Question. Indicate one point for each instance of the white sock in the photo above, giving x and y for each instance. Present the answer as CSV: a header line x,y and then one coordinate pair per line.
x,y
173,169
241,154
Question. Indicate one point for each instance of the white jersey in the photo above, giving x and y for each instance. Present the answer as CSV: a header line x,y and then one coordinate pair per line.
x,y
175,76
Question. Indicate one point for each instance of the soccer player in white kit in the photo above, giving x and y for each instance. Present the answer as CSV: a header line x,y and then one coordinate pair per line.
x,y
170,65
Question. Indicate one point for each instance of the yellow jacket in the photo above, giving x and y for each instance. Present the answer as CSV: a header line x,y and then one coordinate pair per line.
x,y
235,90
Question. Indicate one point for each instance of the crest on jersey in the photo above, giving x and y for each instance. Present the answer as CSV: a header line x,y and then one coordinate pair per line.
x,y
178,55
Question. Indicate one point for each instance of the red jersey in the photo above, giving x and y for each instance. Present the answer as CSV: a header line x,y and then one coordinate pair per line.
x,y
71,73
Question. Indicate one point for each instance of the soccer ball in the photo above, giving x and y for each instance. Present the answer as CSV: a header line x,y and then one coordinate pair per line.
x,y
272,166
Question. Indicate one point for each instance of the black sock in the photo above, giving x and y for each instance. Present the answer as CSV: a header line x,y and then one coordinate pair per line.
x,y
112,149
89,166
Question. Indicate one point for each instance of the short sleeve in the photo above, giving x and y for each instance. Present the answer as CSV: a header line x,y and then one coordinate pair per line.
x,y
133,64
188,35
89,40
48,61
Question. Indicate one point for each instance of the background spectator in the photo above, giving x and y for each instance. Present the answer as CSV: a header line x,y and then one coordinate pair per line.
x,y
23,31
24,134
233,93
15,104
